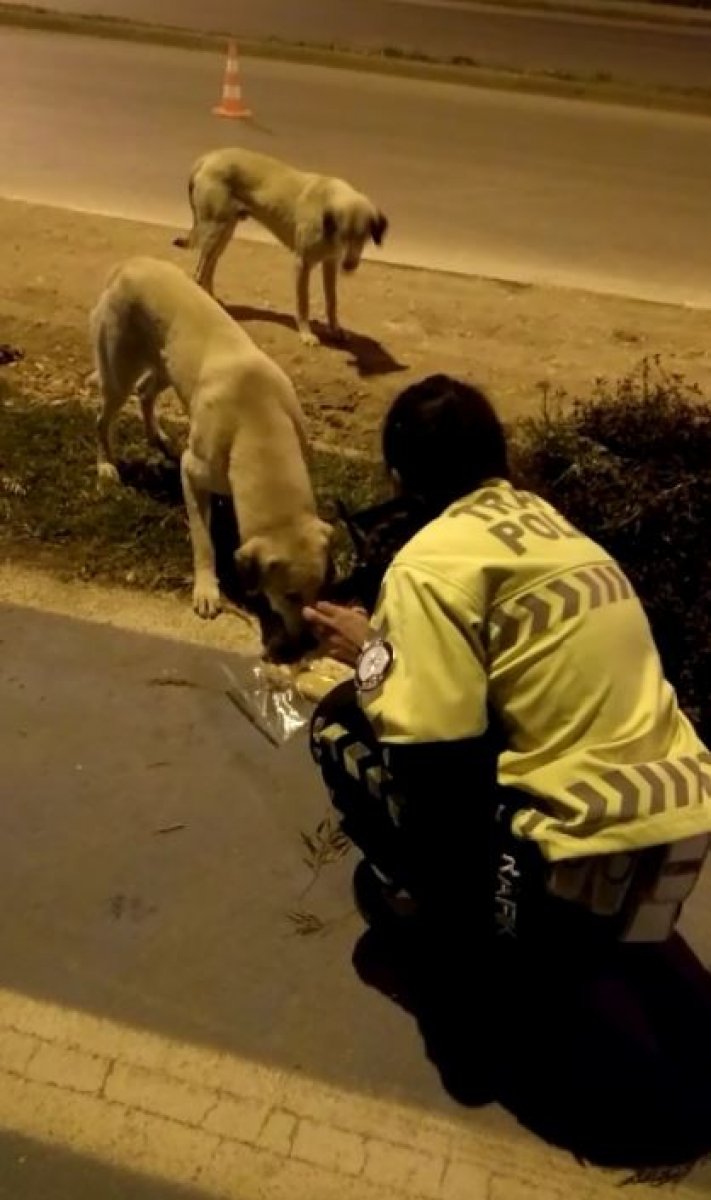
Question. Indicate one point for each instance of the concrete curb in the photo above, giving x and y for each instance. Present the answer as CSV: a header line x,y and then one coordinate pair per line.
x,y
161,615
241,1130
642,12
389,62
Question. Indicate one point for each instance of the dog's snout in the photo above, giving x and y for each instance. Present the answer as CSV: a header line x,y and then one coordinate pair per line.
x,y
284,648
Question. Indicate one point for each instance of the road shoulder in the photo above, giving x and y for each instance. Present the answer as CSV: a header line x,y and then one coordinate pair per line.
x,y
388,60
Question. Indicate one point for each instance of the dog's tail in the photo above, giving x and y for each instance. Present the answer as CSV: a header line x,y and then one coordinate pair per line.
x,y
187,241
112,273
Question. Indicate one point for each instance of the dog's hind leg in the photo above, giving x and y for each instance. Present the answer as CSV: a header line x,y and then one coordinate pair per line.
x,y
214,238
106,468
148,389
187,241
115,383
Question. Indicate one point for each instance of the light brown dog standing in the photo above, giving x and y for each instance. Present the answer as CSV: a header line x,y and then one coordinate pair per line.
x,y
321,219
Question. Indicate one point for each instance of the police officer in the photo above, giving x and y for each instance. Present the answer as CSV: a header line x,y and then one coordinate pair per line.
x,y
506,647
511,759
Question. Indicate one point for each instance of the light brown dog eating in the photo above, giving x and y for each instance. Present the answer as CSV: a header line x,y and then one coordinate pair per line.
x,y
153,328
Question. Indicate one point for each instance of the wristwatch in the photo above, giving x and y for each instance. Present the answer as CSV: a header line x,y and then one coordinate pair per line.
x,y
374,663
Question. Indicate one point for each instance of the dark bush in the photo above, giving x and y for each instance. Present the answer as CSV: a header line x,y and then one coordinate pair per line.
x,y
631,466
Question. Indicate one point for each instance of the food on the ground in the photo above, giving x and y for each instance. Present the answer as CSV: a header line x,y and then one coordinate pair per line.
x,y
319,676
278,676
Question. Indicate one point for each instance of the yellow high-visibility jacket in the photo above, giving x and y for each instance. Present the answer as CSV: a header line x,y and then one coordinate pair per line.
x,y
500,602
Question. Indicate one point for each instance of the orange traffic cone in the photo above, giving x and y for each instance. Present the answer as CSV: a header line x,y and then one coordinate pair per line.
x,y
231,104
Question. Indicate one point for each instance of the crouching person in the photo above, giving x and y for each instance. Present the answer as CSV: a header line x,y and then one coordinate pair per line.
x,y
517,772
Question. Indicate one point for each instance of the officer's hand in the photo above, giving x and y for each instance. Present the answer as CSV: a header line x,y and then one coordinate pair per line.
x,y
341,631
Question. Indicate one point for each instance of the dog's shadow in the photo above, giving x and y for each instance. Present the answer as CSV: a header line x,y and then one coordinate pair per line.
x,y
368,356
161,481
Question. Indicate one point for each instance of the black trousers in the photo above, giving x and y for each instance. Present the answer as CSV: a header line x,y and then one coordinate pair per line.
x,y
598,1047
461,864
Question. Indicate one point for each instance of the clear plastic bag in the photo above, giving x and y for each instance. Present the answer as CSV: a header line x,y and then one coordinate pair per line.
x,y
270,700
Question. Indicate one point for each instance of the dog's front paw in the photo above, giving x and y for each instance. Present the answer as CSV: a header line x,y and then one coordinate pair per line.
x,y
107,475
206,598
308,338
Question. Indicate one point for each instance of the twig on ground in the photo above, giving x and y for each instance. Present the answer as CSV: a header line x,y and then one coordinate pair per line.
x,y
176,681
305,923
327,845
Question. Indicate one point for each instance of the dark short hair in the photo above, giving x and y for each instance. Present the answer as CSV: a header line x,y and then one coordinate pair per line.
x,y
444,439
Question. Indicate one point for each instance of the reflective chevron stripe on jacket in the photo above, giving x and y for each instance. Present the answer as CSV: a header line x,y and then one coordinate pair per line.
x,y
533,613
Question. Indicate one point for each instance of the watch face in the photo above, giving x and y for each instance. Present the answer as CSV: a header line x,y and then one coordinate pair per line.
x,y
373,665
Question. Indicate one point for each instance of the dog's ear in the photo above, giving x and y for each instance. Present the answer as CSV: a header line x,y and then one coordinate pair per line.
x,y
330,224
378,228
256,565
249,566
328,533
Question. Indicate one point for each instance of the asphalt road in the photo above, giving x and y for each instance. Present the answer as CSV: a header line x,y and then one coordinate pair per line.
x,y
184,933
525,188
583,46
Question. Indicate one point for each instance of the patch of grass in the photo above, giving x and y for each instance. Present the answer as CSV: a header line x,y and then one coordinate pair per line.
x,y
123,536
52,509
357,482
631,466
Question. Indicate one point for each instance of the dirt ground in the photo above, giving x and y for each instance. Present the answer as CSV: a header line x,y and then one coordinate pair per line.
x,y
405,324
